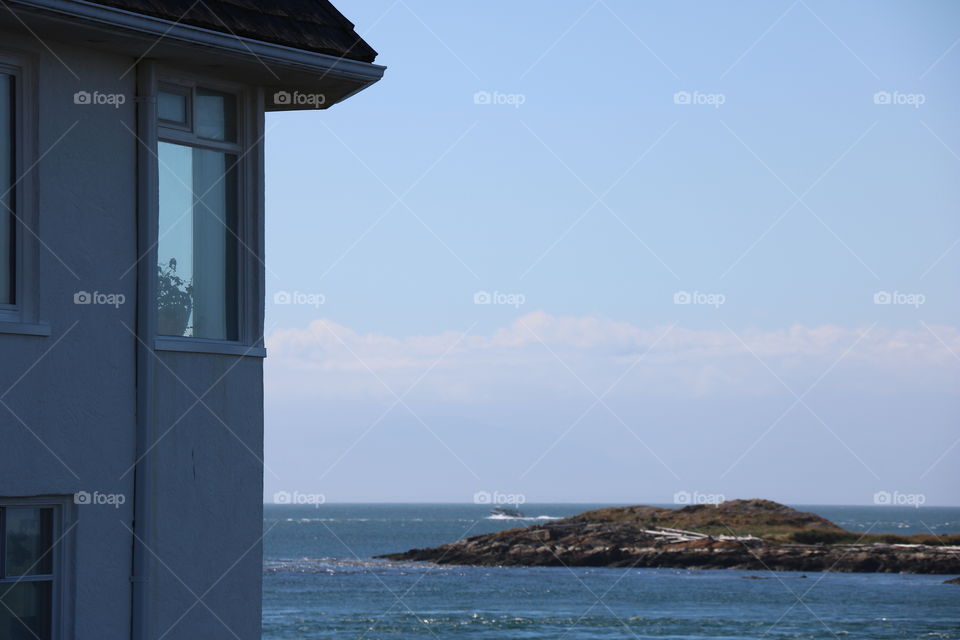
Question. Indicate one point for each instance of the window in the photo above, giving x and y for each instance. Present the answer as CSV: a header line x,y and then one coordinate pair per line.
x,y
172,107
198,289
28,567
8,219
18,215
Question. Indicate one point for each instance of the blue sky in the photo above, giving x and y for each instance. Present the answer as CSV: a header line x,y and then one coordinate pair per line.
x,y
585,196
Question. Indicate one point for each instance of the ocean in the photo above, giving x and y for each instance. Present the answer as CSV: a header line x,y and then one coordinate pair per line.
x,y
321,581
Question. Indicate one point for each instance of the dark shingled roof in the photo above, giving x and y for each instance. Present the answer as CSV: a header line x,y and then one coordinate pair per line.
x,y
314,25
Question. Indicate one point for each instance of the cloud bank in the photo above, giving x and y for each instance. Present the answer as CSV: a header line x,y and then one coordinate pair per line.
x,y
591,409
542,354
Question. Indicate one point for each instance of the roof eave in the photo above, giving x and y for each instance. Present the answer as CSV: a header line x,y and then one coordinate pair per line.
x,y
273,66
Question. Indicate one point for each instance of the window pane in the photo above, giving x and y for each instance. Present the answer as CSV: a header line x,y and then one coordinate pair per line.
x,y
29,536
216,115
28,611
172,107
197,246
7,220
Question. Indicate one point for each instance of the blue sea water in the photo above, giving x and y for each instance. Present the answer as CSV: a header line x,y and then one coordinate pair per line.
x,y
321,581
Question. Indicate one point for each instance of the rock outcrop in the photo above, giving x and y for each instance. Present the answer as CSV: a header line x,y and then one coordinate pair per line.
x,y
738,534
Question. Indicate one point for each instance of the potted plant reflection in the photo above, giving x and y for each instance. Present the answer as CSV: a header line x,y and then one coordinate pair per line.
x,y
174,300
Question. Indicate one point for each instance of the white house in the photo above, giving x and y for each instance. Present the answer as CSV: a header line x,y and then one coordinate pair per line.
x,y
131,303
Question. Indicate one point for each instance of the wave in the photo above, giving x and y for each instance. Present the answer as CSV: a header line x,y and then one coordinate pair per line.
x,y
500,516
346,566
300,520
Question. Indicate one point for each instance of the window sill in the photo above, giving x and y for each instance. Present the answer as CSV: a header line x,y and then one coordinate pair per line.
x,y
200,345
41,329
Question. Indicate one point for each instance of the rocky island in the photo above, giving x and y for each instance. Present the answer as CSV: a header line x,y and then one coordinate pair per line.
x,y
737,534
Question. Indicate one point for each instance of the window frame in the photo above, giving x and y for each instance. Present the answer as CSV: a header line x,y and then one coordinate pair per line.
x,y
248,149
22,316
61,608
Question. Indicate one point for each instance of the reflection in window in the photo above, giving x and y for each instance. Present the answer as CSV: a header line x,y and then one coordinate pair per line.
x,y
216,115
26,573
172,107
27,547
7,217
197,245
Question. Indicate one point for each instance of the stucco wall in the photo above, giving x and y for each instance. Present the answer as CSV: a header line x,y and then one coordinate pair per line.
x,y
78,397
208,508
76,389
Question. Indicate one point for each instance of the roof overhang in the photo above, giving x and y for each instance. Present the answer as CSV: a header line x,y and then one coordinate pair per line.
x,y
278,69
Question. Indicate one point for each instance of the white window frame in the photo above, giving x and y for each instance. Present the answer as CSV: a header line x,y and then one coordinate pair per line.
x,y
249,150
61,605
22,317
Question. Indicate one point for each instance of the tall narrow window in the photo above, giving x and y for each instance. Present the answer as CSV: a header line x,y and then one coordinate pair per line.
x,y
197,248
8,221
27,572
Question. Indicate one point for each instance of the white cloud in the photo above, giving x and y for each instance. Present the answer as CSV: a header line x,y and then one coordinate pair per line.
x,y
540,354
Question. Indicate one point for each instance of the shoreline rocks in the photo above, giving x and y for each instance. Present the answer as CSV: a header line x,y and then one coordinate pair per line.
x,y
739,534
